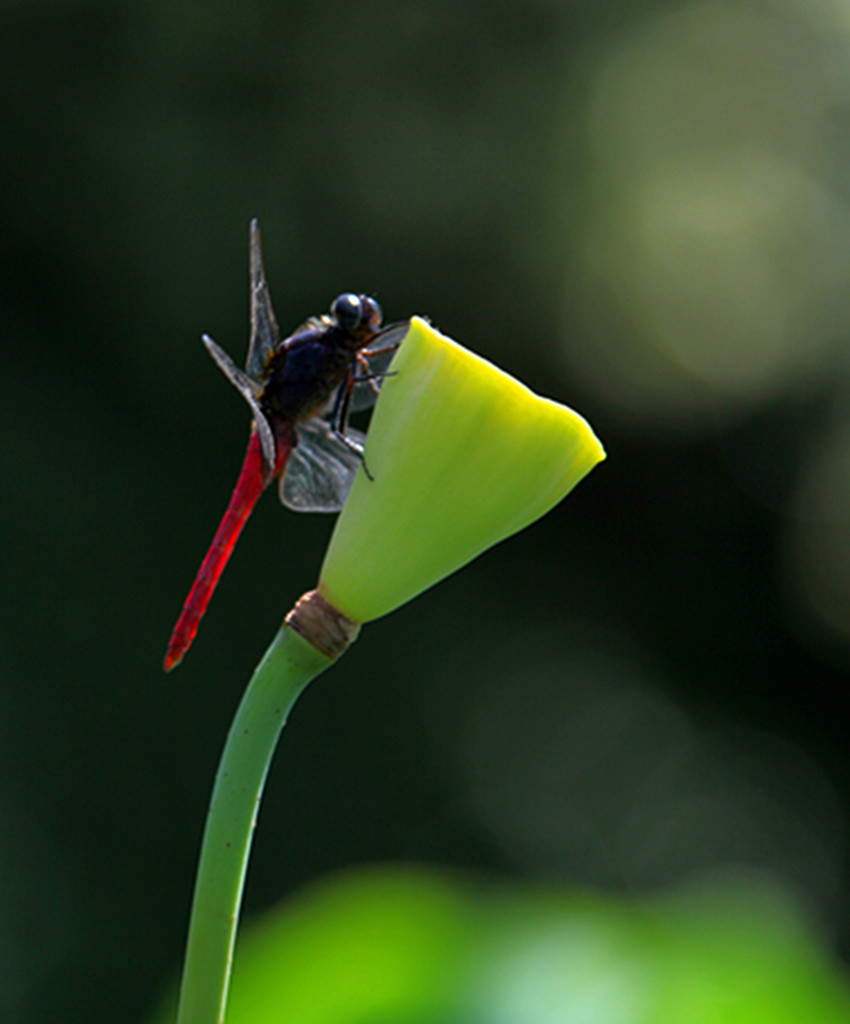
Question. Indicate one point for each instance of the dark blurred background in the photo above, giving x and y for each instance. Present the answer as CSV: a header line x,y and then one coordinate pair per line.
x,y
641,209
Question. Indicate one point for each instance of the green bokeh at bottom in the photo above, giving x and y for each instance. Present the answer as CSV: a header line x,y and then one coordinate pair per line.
x,y
419,946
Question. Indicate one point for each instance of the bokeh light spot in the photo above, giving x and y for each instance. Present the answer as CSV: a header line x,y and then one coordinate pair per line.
x,y
713,249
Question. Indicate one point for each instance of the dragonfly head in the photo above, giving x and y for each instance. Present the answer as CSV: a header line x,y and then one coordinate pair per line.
x,y
356,314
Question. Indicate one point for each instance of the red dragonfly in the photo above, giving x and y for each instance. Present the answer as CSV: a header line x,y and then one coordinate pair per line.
x,y
301,391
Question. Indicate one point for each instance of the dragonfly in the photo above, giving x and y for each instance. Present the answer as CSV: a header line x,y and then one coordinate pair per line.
x,y
301,391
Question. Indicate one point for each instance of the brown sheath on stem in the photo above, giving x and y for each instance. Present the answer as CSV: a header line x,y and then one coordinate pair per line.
x,y
324,626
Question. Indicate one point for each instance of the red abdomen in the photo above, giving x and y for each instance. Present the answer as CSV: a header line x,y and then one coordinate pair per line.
x,y
252,481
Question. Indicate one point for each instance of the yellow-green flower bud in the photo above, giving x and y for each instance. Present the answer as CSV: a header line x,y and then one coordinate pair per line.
x,y
462,455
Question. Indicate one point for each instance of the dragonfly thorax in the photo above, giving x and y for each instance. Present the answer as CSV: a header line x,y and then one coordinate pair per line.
x,y
303,374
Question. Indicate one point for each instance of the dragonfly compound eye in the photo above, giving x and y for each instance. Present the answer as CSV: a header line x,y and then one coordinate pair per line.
x,y
372,314
348,311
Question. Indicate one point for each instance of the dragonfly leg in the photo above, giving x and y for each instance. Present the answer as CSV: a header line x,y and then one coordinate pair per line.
x,y
372,377
369,352
352,446
339,421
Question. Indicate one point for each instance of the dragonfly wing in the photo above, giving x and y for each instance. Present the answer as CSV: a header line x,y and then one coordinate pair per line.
x,y
386,342
321,469
265,334
249,390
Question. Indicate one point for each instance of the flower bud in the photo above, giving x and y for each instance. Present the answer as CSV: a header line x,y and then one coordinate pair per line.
x,y
461,456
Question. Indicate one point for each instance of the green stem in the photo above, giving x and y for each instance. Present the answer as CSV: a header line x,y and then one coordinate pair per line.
x,y
287,667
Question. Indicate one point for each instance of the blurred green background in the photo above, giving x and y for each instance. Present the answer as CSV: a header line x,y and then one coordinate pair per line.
x,y
640,209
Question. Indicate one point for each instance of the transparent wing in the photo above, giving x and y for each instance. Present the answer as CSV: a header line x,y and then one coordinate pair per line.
x,y
321,469
385,342
265,334
250,390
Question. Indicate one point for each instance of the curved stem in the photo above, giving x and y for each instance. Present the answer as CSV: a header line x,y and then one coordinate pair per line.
x,y
288,665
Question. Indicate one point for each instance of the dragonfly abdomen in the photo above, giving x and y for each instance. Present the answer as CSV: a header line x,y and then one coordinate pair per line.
x,y
252,481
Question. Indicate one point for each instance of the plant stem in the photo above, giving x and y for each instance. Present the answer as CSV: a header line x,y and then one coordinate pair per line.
x,y
290,663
